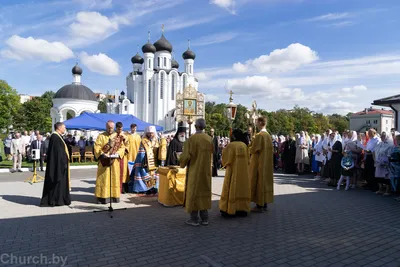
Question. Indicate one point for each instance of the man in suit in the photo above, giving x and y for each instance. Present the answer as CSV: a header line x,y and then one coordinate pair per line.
x,y
39,144
17,151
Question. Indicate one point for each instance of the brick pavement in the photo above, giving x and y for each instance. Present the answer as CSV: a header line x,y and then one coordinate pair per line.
x,y
308,225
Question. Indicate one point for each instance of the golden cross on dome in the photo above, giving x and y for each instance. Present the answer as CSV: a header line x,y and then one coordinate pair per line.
x,y
230,94
162,28
148,36
189,43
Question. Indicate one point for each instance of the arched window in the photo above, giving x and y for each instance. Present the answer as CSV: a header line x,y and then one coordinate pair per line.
x,y
190,69
162,85
184,81
158,62
149,63
173,87
165,62
149,91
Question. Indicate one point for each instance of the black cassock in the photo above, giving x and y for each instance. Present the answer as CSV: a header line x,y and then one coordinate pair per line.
x,y
174,146
56,183
215,157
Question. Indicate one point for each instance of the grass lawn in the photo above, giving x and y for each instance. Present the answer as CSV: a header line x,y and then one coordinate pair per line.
x,y
7,164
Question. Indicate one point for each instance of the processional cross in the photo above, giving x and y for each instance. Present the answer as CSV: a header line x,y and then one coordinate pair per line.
x,y
230,94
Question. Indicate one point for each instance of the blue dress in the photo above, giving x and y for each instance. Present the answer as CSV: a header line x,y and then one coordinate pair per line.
x,y
314,163
394,167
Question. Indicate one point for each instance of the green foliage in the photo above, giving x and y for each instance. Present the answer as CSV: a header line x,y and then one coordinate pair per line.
x,y
280,122
35,114
9,105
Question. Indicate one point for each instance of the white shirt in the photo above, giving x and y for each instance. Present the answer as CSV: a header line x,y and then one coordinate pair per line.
x,y
33,138
372,143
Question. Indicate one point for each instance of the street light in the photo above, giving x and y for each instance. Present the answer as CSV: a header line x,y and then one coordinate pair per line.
x,y
231,109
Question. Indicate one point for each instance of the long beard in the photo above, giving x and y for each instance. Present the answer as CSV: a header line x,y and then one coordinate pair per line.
x,y
182,139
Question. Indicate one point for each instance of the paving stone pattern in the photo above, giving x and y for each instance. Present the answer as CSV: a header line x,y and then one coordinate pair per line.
x,y
308,225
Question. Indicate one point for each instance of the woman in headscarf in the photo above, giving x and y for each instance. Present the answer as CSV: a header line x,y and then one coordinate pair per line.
x,y
354,145
381,156
281,141
336,150
325,148
319,154
314,162
301,153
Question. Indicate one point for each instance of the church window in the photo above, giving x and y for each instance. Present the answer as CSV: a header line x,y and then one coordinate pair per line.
x,y
190,69
149,63
165,62
149,91
158,63
126,108
162,85
184,81
173,88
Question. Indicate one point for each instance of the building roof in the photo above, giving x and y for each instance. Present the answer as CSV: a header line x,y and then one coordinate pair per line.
x,y
76,91
387,101
371,111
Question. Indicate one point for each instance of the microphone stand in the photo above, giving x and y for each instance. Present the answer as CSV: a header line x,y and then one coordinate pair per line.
x,y
110,208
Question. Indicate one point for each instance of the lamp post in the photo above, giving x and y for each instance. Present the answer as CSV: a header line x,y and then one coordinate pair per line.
x,y
231,109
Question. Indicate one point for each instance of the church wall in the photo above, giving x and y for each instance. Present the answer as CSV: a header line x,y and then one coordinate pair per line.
x,y
162,60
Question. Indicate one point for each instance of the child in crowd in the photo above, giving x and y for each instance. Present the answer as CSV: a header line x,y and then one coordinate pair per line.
x,y
347,169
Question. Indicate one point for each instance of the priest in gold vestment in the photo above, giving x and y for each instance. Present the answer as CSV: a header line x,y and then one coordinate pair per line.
x,y
131,150
107,144
235,197
262,168
197,157
152,153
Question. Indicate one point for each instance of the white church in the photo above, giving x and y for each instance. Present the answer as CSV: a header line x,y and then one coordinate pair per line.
x,y
151,88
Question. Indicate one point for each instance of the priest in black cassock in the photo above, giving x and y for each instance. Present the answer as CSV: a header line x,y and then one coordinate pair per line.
x,y
215,153
57,179
175,147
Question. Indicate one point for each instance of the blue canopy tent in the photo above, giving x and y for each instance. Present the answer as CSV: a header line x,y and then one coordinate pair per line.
x,y
97,121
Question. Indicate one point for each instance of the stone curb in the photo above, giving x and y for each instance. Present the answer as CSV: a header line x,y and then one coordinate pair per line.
x,y
72,168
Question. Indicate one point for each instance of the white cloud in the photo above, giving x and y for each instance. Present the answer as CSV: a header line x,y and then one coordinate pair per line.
x,y
226,4
215,38
211,97
100,63
183,22
331,17
201,76
280,60
95,4
29,48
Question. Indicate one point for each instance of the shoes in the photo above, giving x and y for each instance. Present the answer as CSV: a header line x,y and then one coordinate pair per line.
x,y
42,170
379,192
353,186
257,210
204,223
386,194
346,188
338,188
13,171
192,223
19,170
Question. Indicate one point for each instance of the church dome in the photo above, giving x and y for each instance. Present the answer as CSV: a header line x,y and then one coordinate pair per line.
x,y
189,54
137,59
77,70
163,44
76,91
148,48
174,64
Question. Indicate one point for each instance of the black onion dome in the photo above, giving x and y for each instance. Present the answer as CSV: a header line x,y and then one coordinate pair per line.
x,y
174,64
77,70
76,91
163,44
137,59
122,93
189,54
149,48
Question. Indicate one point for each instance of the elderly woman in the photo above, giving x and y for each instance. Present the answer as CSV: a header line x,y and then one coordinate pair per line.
x,y
336,149
301,152
381,157
355,146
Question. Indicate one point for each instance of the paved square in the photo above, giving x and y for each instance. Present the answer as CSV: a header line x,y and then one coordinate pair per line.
x,y
308,225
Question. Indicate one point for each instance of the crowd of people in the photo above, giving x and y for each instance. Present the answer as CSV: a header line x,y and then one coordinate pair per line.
x,y
128,163
369,159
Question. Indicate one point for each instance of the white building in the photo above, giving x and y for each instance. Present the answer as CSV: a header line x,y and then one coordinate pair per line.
x,y
24,98
379,119
73,99
152,85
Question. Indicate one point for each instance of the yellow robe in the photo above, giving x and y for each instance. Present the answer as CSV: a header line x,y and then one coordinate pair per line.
x,y
236,188
197,156
103,173
132,147
262,169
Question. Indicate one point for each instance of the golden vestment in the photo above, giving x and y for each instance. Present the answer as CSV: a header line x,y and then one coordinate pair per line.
x,y
197,156
132,148
262,169
103,172
236,188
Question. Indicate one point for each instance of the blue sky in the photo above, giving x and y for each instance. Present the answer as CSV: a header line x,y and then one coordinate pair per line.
x,y
328,55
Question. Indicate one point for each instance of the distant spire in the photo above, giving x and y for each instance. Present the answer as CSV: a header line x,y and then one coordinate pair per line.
x,y
148,36
162,29
188,43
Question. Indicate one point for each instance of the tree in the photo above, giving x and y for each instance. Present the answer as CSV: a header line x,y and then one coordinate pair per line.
x,y
102,106
9,105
